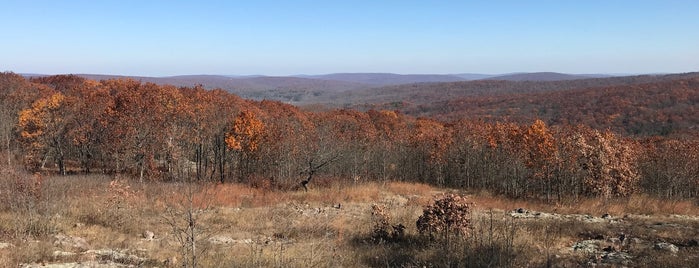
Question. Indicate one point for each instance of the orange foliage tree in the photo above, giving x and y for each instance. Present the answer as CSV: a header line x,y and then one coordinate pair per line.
x,y
43,128
245,137
540,154
608,163
430,139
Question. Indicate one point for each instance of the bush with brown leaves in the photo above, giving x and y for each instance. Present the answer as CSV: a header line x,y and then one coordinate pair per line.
x,y
383,230
449,214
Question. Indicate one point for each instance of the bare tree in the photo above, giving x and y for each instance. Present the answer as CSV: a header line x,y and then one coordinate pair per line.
x,y
313,168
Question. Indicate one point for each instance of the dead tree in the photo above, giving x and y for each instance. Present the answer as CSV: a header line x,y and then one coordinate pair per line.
x,y
312,169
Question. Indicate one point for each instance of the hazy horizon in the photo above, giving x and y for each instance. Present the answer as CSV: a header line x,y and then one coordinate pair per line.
x,y
281,38
326,74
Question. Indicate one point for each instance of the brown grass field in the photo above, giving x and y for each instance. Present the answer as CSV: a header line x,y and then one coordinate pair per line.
x,y
103,221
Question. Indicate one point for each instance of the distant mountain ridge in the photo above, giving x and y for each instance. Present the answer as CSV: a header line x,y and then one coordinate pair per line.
x,y
301,89
427,93
357,79
385,79
544,76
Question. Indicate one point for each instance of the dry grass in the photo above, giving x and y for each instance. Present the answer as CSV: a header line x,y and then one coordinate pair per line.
x,y
328,226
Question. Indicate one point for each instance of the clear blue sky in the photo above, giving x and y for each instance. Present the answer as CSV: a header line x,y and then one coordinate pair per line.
x,y
161,38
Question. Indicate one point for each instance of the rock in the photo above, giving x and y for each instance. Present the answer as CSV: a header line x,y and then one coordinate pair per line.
x,y
60,254
148,235
666,247
521,210
5,245
587,246
86,264
73,242
636,241
115,256
615,258
222,240
606,216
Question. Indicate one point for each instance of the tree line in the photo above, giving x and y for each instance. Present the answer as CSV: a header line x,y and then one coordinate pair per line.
x,y
67,124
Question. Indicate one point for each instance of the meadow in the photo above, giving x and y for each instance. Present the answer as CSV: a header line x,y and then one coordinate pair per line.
x,y
114,221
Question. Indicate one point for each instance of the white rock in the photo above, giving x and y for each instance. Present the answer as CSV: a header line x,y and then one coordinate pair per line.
x,y
71,242
587,246
148,235
115,256
222,240
667,247
59,253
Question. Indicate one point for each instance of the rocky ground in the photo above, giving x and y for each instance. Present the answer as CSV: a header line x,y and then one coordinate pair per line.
x,y
333,231
620,241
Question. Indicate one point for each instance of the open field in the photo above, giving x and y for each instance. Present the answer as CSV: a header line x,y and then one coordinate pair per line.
x,y
103,221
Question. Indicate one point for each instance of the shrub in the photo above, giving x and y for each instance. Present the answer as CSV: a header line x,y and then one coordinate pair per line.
x,y
383,230
449,213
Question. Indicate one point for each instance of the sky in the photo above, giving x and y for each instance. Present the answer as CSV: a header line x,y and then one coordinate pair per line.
x,y
165,38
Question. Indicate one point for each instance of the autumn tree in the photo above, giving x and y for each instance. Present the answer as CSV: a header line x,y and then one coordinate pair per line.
x,y
430,139
669,168
607,162
43,128
290,141
14,97
502,163
245,138
388,148
87,127
345,133
540,154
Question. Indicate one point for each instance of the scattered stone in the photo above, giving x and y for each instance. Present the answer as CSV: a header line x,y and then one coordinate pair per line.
x,y
521,210
685,217
5,245
666,247
63,254
636,241
222,240
614,258
115,256
587,246
79,225
227,240
606,216
72,242
148,235
87,264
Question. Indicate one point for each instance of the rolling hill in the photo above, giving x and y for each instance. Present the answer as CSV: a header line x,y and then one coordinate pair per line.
x,y
664,105
544,76
383,79
282,88
426,93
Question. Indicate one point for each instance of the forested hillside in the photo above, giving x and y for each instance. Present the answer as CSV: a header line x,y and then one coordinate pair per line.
x,y
662,108
429,93
668,106
67,124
